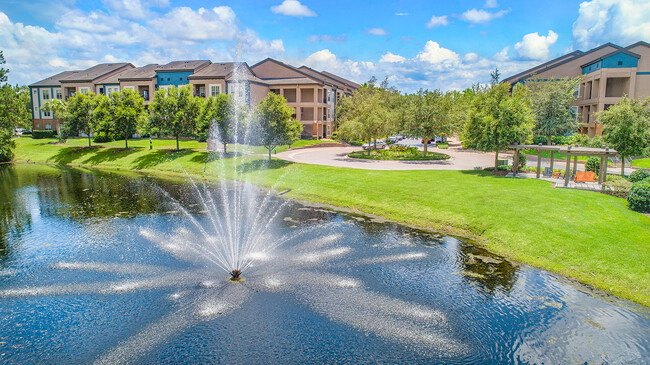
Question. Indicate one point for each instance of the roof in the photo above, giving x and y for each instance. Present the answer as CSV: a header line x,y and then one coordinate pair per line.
x,y
317,78
215,70
191,65
290,81
624,51
95,72
554,63
54,80
147,72
639,43
345,81
331,80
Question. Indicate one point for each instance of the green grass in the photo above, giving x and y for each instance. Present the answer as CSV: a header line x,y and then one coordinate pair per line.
x,y
407,155
641,162
442,146
557,155
586,235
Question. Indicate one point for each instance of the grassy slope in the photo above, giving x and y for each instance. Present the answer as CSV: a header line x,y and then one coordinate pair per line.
x,y
589,236
641,162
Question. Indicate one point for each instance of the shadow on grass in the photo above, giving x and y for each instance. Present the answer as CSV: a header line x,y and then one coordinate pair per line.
x,y
264,164
67,155
484,173
157,157
209,156
109,154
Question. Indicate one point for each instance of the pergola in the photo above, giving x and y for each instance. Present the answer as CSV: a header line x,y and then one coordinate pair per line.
x,y
569,151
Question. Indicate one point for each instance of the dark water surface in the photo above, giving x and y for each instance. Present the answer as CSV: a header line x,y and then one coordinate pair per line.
x,y
90,271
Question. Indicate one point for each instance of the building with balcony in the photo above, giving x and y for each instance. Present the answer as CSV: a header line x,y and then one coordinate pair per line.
x,y
608,73
311,93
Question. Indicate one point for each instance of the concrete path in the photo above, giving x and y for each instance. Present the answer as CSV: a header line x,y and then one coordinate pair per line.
x,y
337,156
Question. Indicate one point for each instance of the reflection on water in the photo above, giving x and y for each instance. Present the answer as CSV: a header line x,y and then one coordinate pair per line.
x,y
95,268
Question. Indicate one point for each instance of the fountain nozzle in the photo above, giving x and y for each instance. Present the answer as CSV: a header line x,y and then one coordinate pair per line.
x,y
234,275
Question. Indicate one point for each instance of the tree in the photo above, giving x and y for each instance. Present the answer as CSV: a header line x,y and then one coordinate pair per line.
x,y
551,104
429,114
273,123
362,115
626,127
495,76
126,111
14,107
218,117
3,71
497,119
175,112
79,115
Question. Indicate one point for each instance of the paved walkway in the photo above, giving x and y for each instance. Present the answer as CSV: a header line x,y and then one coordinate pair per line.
x,y
337,156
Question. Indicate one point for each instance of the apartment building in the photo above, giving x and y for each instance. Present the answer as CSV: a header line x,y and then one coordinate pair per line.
x,y
608,73
311,93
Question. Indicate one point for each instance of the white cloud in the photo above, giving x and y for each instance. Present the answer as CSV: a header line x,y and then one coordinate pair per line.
x,y
134,9
490,4
292,8
481,16
437,21
377,31
326,60
401,14
536,47
618,21
327,38
248,43
203,24
392,58
436,55
502,55
470,57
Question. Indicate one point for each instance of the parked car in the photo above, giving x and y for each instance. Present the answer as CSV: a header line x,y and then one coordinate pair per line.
x,y
379,146
399,137
441,139
19,131
392,139
431,140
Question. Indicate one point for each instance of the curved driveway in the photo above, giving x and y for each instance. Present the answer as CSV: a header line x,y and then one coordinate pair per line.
x,y
337,156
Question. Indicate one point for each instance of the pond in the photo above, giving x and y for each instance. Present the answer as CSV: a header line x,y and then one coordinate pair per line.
x,y
98,267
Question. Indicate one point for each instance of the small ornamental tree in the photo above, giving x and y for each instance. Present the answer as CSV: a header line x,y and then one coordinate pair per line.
x,y
126,112
218,118
175,112
79,115
626,128
497,119
362,115
551,104
428,115
273,123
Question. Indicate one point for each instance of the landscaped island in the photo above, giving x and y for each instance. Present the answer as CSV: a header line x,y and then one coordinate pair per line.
x,y
404,154
570,232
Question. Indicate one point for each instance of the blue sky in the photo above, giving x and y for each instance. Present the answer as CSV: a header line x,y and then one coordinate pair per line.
x,y
415,43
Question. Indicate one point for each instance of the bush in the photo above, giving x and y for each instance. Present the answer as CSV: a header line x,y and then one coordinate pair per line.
x,y
639,197
102,137
335,135
522,159
617,185
202,137
558,140
7,146
40,134
640,174
593,164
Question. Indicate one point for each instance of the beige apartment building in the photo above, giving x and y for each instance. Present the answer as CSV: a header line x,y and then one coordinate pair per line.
x,y
608,73
313,94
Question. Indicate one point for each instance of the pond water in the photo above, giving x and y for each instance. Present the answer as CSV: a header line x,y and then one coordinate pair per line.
x,y
91,272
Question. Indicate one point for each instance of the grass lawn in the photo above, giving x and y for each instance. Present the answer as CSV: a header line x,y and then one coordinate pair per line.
x,y
442,146
641,162
408,155
589,236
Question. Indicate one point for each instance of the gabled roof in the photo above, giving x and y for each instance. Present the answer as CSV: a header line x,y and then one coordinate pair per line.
x,y
319,79
345,81
95,72
624,51
192,65
290,81
54,80
215,70
147,72
639,43
554,63
328,79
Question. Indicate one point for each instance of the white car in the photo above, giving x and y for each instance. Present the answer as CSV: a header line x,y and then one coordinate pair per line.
x,y
379,146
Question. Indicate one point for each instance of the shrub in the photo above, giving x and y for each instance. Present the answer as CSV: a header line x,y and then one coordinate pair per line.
x,y
40,134
593,164
7,146
639,197
558,140
335,135
617,185
638,175
522,159
202,137
102,137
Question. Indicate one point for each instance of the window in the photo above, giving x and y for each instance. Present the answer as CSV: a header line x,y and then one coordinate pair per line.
x,y
576,92
46,94
58,94
620,63
181,79
101,90
84,90
169,79
48,127
47,113
215,89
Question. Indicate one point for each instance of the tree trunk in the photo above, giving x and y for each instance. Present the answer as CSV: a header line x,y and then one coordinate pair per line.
x,y
177,145
270,148
88,138
496,159
126,141
224,148
426,143
369,146
623,166
548,140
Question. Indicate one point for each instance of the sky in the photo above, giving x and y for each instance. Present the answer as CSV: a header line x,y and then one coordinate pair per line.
x,y
447,45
